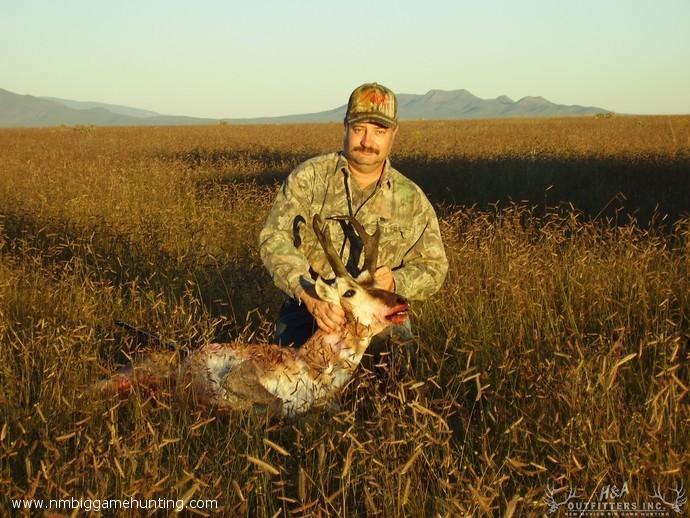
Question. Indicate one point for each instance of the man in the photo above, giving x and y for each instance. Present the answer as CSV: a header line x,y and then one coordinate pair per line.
x,y
361,182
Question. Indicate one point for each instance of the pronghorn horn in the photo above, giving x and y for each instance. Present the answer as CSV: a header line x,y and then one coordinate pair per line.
x,y
370,243
324,238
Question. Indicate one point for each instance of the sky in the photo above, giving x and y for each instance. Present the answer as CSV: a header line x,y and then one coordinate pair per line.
x,y
257,58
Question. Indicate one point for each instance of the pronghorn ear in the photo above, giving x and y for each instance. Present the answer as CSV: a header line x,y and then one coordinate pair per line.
x,y
327,291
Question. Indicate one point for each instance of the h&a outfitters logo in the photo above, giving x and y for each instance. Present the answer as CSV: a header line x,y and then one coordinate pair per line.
x,y
615,501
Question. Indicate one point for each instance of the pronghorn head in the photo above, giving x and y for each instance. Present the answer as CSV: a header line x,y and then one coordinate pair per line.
x,y
368,308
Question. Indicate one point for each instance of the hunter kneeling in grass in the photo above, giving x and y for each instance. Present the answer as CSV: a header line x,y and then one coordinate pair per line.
x,y
357,182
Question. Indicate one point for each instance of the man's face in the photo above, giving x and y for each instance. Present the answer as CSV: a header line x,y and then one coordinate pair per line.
x,y
367,144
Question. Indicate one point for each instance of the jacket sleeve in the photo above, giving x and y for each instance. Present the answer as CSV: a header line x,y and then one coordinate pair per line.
x,y
425,265
283,260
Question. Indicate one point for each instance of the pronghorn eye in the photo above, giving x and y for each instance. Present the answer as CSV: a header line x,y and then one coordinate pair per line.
x,y
349,293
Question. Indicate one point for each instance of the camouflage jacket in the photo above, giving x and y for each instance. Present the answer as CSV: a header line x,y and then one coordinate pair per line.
x,y
410,241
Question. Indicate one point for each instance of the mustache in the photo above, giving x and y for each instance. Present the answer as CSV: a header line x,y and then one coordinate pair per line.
x,y
367,149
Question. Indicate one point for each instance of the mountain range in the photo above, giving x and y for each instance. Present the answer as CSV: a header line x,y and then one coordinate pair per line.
x,y
28,111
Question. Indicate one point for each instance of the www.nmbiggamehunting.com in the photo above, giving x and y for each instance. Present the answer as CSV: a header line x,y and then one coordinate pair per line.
x,y
112,504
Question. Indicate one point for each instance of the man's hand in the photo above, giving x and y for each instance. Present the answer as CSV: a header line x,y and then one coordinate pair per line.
x,y
329,317
383,278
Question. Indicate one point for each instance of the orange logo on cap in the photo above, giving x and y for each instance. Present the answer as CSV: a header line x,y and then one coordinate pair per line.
x,y
374,97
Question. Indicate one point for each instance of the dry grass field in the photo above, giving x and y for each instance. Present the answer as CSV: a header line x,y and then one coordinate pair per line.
x,y
556,353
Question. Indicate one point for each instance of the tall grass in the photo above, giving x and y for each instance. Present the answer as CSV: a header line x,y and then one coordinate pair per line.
x,y
557,350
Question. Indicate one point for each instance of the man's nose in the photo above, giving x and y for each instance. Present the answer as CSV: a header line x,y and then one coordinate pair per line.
x,y
366,138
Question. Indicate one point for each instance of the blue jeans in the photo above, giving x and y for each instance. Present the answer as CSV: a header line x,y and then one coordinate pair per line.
x,y
294,325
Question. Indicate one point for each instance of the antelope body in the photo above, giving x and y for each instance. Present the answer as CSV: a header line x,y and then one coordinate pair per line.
x,y
283,380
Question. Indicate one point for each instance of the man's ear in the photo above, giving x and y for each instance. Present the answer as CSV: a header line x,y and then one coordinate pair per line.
x,y
327,292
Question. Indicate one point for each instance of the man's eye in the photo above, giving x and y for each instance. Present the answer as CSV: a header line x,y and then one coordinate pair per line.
x,y
380,132
349,293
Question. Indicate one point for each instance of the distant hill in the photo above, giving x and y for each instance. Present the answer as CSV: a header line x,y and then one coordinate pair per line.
x,y
29,111
115,108
461,104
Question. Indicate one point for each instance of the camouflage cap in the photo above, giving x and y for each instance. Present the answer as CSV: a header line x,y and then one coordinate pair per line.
x,y
372,102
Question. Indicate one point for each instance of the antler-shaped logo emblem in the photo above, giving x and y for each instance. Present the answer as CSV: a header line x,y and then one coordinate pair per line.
x,y
681,499
551,501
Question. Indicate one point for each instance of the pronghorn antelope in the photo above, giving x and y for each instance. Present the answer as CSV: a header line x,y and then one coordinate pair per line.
x,y
283,380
